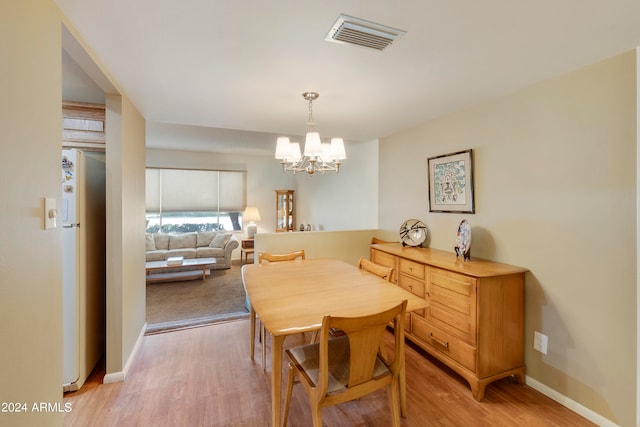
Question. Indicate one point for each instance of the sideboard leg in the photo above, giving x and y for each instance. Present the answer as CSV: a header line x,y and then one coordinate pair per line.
x,y
477,390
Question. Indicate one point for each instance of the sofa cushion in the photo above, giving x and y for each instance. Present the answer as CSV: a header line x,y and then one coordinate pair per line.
x,y
158,255
209,252
183,252
220,240
204,238
150,243
182,241
162,241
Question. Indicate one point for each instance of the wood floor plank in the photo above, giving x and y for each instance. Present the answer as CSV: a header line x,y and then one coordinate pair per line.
x,y
204,377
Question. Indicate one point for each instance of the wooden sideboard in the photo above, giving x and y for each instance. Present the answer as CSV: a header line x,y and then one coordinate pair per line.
x,y
474,323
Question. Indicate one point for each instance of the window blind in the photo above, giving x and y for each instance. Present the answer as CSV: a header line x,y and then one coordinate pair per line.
x,y
179,190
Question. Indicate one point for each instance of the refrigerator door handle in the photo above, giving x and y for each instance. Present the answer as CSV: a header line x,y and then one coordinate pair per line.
x,y
70,225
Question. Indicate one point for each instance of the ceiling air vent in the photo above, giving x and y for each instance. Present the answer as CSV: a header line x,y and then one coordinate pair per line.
x,y
348,29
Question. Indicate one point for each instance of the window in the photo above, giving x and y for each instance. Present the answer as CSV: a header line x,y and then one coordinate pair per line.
x,y
183,200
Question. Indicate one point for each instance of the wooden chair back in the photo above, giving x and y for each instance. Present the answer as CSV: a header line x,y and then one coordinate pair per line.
x,y
365,337
356,368
291,256
377,269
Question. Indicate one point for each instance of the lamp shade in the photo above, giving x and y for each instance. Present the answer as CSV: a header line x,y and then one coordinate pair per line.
x,y
337,149
326,152
251,214
312,145
282,148
294,152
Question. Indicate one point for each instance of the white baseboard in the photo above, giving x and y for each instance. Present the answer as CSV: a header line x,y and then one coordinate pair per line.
x,y
571,404
115,377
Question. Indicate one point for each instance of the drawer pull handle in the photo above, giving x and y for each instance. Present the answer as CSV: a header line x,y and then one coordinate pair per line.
x,y
444,344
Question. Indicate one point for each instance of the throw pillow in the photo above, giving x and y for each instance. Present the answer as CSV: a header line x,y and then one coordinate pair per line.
x,y
205,237
220,240
150,244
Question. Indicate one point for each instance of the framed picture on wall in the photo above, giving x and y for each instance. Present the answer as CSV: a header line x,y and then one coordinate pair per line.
x,y
451,182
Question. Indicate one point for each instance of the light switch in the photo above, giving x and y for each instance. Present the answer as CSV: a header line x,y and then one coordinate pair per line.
x,y
50,213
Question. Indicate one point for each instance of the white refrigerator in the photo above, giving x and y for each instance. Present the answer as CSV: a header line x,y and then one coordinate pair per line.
x,y
83,264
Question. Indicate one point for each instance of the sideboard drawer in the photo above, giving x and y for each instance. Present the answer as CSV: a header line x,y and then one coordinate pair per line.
x,y
454,282
444,343
412,285
412,268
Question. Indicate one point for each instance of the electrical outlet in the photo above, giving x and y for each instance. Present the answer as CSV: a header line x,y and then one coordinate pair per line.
x,y
540,342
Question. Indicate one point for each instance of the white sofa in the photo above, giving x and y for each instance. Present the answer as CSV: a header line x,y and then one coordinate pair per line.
x,y
201,244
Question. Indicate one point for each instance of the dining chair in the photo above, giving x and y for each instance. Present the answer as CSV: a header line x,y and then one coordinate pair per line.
x,y
377,269
371,267
346,368
271,257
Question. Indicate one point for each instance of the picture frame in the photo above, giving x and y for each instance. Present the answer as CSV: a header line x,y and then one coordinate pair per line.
x,y
451,182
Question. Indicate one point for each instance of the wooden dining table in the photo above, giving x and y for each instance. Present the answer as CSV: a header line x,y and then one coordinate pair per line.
x,y
293,296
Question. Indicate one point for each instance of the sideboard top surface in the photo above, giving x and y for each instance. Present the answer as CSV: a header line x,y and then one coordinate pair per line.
x,y
447,260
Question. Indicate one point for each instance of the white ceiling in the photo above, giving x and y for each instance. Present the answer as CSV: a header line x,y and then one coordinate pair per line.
x,y
244,64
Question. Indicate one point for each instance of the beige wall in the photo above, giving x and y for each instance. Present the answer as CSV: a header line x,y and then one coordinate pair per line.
x,y
125,224
555,181
347,245
347,200
30,260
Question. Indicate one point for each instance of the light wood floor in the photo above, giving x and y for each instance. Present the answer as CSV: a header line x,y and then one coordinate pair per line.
x,y
204,377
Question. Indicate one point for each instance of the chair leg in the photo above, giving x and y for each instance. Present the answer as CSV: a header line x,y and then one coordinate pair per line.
x,y
252,332
394,403
263,334
287,401
316,415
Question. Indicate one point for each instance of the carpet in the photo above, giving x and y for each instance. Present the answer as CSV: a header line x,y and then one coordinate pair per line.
x,y
190,303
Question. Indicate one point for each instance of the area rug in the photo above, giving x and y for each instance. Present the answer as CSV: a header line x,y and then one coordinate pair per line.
x,y
190,303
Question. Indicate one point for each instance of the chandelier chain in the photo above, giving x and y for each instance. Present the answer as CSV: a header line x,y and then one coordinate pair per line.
x,y
310,118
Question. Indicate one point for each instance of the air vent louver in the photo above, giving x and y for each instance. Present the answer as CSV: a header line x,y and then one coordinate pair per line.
x,y
348,29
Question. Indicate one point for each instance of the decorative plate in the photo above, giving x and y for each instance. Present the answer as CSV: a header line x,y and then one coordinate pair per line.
x,y
413,232
463,239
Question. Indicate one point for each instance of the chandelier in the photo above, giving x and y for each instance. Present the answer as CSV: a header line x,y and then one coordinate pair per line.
x,y
318,156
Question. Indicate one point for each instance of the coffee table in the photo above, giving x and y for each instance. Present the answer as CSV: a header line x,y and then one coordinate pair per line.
x,y
199,269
